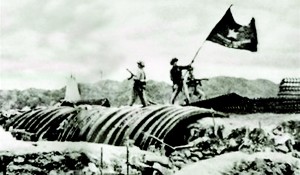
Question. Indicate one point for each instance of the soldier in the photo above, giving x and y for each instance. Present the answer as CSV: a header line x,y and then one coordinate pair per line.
x,y
139,84
178,83
195,84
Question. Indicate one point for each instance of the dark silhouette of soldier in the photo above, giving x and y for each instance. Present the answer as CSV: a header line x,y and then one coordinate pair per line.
x,y
195,85
178,81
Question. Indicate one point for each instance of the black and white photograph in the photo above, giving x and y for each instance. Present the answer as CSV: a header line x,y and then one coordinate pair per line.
x,y
137,87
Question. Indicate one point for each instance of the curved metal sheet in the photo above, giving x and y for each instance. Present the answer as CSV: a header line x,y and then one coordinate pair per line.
x,y
124,132
110,125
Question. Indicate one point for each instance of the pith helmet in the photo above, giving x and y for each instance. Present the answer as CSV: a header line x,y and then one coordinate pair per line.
x,y
141,63
173,61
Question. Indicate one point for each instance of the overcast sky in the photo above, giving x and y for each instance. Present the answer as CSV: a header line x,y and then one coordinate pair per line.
x,y
43,42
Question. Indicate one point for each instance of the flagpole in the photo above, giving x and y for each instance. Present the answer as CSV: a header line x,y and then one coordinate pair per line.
x,y
200,48
197,52
194,57
203,44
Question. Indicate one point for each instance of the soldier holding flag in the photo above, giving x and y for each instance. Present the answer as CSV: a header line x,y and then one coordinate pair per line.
x,y
178,82
227,33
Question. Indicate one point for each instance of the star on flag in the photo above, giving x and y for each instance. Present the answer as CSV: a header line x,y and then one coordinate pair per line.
x,y
233,35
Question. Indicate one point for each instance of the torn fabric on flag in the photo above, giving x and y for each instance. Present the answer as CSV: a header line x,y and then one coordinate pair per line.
x,y
233,35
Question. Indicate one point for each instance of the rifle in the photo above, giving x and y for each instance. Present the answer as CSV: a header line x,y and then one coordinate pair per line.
x,y
194,82
138,82
132,75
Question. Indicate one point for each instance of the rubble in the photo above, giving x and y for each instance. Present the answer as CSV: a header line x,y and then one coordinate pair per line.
x,y
263,167
228,163
44,162
22,134
207,144
46,157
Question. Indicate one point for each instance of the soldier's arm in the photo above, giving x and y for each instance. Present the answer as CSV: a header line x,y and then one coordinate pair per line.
x,y
184,67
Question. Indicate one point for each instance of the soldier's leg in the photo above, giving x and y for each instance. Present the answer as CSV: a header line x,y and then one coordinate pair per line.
x,y
202,95
190,90
175,93
186,93
146,98
133,97
141,94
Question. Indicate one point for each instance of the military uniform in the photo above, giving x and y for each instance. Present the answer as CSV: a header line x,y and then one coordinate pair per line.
x,y
139,85
194,85
178,82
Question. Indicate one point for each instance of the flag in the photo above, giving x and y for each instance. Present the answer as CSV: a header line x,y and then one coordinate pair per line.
x,y
233,35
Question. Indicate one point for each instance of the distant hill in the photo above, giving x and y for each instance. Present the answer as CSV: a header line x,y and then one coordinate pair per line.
x,y
118,92
247,88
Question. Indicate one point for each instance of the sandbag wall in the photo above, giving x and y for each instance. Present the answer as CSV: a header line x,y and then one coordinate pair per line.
x,y
112,125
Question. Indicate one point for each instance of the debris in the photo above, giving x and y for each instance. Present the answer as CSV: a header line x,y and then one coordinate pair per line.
x,y
263,167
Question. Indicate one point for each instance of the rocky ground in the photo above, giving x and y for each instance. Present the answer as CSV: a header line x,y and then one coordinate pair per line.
x,y
45,157
240,144
248,144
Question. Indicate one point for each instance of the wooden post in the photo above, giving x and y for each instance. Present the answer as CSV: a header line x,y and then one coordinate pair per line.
x,y
4,164
214,123
101,160
127,159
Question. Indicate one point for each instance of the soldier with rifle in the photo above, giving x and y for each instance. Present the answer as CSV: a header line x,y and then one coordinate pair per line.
x,y
139,84
195,84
